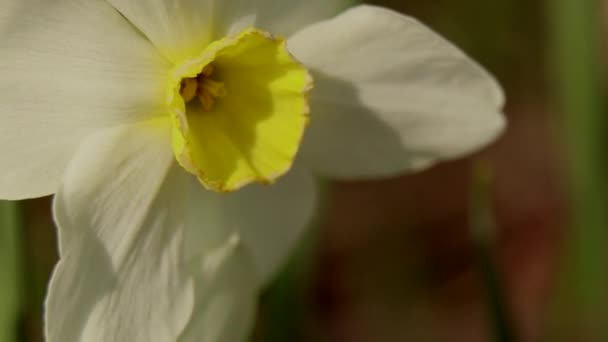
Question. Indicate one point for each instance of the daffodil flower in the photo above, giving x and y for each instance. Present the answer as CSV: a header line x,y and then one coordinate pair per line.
x,y
164,127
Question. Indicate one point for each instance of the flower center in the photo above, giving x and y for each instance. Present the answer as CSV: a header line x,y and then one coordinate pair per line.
x,y
239,110
204,88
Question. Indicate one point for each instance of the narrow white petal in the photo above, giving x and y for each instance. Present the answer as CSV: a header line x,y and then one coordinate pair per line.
x,y
179,29
226,295
121,275
182,29
68,69
148,255
281,17
269,218
391,96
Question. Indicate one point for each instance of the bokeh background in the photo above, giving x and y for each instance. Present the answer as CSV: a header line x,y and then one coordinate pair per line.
x,y
408,259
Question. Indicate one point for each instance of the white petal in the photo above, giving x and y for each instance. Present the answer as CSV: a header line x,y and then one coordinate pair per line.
x,y
121,275
182,29
148,255
390,96
125,212
281,17
225,296
270,218
179,29
68,68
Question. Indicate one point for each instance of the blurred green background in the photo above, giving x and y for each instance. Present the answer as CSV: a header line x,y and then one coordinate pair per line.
x,y
514,252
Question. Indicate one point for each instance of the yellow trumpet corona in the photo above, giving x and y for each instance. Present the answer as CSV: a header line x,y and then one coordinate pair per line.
x,y
239,110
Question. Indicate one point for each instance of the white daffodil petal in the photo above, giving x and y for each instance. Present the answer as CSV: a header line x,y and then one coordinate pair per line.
x,y
391,96
281,17
182,29
144,255
120,276
225,296
179,29
68,68
122,215
269,218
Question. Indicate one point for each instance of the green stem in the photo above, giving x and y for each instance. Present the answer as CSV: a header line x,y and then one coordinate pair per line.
x,y
483,231
581,299
10,272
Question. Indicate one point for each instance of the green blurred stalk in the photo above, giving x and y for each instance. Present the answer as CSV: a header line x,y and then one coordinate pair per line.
x,y
581,302
483,233
10,272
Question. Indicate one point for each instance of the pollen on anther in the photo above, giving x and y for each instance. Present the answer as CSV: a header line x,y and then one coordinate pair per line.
x,y
203,87
189,88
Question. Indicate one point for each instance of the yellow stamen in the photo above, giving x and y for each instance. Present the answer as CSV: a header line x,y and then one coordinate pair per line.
x,y
207,100
189,89
208,91
203,87
208,70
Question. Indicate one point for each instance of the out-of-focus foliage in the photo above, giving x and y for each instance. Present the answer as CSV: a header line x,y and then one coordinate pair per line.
x,y
10,271
582,298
